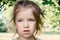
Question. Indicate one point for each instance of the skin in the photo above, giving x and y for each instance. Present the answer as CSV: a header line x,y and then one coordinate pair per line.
x,y
25,21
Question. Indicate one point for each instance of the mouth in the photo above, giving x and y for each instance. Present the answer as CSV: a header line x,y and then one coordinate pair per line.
x,y
26,31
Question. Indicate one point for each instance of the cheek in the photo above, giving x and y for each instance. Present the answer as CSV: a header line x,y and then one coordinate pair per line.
x,y
19,27
32,26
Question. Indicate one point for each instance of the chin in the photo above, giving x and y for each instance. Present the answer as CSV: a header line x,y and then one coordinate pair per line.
x,y
27,36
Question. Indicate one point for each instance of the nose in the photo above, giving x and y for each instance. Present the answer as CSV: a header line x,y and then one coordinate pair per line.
x,y
26,24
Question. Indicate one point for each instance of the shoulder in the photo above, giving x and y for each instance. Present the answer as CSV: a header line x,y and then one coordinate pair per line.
x,y
38,39
14,39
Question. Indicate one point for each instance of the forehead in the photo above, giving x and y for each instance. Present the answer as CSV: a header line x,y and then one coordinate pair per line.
x,y
25,12
20,8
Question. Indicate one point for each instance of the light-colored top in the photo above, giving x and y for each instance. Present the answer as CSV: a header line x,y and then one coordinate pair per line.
x,y
36,38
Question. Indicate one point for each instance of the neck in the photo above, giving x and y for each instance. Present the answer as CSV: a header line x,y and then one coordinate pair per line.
x,y
23,38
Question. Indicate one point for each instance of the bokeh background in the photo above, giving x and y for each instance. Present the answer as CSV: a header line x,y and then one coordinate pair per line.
x,y
51,22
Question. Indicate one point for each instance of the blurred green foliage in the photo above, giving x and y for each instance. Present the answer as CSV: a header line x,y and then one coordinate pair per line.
x,y
2,27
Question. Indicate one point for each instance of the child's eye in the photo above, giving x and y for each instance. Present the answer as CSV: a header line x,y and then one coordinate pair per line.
x,y
19,20
31,20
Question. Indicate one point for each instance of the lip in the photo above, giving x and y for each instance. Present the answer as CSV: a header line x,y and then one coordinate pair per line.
x,y
26,31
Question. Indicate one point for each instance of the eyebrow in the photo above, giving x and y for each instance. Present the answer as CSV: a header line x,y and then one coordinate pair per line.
x,y
28,18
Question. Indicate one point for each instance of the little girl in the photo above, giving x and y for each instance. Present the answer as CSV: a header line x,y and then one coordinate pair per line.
x,y
27,18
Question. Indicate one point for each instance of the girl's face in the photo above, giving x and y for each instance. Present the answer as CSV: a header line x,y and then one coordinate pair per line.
x,y
25,23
